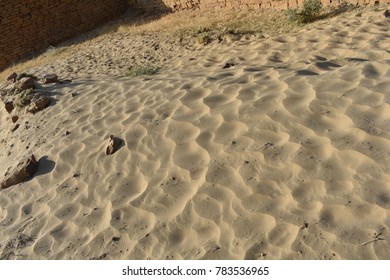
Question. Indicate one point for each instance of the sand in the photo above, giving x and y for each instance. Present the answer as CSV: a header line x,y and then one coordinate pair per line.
x,y
285,155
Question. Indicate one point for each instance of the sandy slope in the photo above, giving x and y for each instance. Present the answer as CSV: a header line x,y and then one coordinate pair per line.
x,y
285,155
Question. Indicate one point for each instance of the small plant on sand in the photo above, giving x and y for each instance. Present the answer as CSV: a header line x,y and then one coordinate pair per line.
x,y
203,38
292,14
309,12
142,71
24,98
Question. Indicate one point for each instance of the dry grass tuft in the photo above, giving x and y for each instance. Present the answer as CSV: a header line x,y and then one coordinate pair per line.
x,y
190,22
143,71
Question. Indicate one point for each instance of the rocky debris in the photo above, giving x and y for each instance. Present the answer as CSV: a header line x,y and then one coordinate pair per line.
x,y
23,91
387,13
9,106
15,127
39,104
24,171
12,77
228,65
114,144
116,238
50,78
304,225
26,75
14,118
26,83
103,256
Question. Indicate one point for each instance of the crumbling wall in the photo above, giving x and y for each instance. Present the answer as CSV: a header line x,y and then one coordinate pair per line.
x,y
27,27
164,5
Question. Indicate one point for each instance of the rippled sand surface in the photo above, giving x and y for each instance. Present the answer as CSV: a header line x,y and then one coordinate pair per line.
x,y
285,155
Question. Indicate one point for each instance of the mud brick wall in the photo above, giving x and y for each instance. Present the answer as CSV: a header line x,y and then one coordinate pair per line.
x,y
173,5
27,27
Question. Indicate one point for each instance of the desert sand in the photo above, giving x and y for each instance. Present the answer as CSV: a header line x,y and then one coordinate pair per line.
x,y
283,155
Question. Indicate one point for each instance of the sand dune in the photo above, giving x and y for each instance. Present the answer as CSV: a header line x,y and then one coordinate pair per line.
x,y
285,155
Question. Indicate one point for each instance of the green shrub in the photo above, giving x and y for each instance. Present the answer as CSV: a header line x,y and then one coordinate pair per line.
x,y
292,14
309,12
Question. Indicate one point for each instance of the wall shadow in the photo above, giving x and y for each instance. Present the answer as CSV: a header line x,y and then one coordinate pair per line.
x,y
134,14
109,16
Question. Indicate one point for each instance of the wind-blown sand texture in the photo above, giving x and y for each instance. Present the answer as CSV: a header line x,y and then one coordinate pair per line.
x,y
285,155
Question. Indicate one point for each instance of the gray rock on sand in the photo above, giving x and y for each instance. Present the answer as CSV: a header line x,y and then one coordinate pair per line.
x,y
24,170
113,145
39,104
50,78
26,83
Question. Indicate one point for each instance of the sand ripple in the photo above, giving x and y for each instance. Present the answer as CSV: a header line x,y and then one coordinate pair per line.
x,y
283,156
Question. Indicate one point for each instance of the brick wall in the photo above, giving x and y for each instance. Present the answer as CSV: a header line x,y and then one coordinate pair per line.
x,y
164,5
27,27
